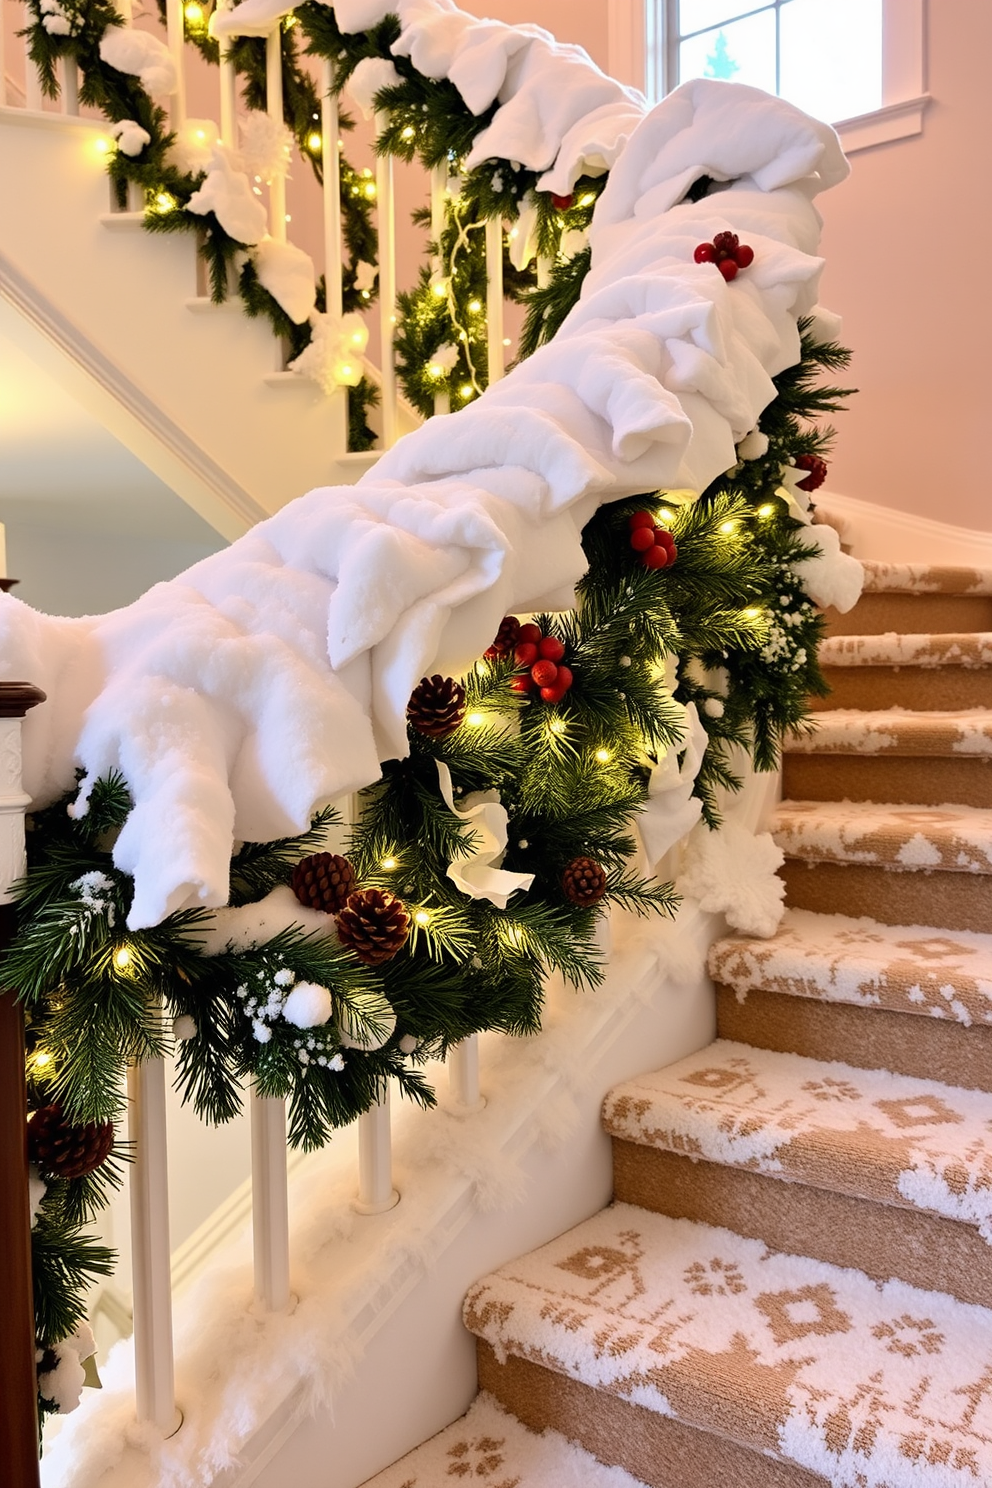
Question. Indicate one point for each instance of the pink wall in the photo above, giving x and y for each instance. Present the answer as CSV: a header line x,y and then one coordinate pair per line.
x,y
904,244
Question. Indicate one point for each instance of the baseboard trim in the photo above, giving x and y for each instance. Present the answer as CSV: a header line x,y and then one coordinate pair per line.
x,y
892,536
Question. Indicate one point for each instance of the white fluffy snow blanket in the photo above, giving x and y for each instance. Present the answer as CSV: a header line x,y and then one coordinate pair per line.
x,y
274,676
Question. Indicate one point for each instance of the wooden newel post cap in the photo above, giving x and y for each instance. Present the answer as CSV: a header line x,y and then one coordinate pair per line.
x,y
17,697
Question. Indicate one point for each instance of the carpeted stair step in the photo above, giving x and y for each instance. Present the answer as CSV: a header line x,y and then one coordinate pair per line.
x,y
916,598
814,1156
904,865
696,1357
892,755
938,671
908,998
490,1447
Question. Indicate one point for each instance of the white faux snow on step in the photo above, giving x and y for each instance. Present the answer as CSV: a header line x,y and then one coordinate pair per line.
x,y
837,958
871,1134
896,731
924,578
968,649
490,1447
879,1386
956,839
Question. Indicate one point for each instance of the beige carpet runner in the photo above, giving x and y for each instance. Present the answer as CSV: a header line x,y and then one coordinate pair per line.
x,y
793,1286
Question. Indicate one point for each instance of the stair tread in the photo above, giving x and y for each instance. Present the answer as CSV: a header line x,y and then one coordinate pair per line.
x,y
956,839
880,1385
871,1134
488,1442
968,649
965,733
837,958
925,578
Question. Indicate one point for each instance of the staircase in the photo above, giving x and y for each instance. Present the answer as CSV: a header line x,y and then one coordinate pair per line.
x,y
794,1283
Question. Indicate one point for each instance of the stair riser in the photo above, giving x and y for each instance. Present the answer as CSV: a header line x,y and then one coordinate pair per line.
x,y
922,1249
661,1451
921,689
913,614
965,780
956,901
867,1037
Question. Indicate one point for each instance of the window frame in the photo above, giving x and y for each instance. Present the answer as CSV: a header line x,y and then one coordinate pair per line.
x,y
643,43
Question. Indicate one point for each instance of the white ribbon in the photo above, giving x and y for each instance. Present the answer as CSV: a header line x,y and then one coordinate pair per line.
x,y
672,810
475,871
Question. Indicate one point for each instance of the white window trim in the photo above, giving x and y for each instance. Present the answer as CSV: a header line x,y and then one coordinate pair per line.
x,y
641,52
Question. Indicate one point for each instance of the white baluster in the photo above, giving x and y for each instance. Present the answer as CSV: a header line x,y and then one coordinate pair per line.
x,y
154,1382
33,96
463,1076
439,192
273,105
330,155
228,88
387,289
175,29
544,267
70,85
270,1202
494,298
125,11
376,1193
3,61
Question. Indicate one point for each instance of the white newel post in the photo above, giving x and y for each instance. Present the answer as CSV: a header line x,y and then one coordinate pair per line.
x,y
273,105
270,1202
176,31
463,1076
494,298
387,288
376,1193
154,1380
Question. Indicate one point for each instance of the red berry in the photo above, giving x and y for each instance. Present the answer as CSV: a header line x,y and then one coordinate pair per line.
x,y
726,242
544,673
552,694
641,539
664,538
562,203
705,253
521,684
743,256
529,632
525,654
728,268
564,679
656,557
673,553
551,649
817,472
640,519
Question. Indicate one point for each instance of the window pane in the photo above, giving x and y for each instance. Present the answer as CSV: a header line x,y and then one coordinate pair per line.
x,y
742,52
831,62
701,15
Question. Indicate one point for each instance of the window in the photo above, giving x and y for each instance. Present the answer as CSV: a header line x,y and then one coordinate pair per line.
x,y
856,63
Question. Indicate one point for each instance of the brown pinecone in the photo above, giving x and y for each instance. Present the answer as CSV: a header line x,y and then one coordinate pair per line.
x,y
323,881
506,638
437,706
584,881
63,1149
374,924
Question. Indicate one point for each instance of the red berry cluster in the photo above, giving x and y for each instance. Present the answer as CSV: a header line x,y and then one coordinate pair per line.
x,y
727,252
562,203
656,546
542,657
817,471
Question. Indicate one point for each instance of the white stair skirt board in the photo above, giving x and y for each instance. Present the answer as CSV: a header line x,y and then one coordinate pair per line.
x,y
490,1447
894,536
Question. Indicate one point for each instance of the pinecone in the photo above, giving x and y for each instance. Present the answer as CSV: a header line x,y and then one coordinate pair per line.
x,y
584,881
374,924
323,881
63,1149
817,472
506,638
437,706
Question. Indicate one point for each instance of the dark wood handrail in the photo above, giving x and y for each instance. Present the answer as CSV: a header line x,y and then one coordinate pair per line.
x,y
18,1373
